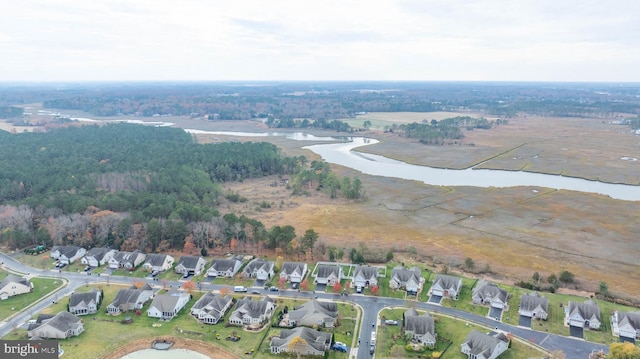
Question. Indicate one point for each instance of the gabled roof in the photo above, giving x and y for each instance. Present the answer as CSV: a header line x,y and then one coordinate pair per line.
x,y
79,298
630,318
258,264
484,289
419,324
123,257
156,259
318,340
447,281
190,261
402,275
289,268
129,296
314,307
253,308
326,270
12,278
224,265
531,301
484,344
587,310
212,304
167,302
97,252
63,321
366,272
67,251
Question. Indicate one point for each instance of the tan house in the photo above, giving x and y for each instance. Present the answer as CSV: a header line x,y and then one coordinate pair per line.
x,y
61,326
13,285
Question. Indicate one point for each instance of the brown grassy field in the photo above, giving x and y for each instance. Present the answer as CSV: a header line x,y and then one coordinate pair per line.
x,y
516,231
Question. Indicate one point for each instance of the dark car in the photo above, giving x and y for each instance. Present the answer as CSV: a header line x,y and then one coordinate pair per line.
x,y
255,291
87,268
294,286
154,273
274,289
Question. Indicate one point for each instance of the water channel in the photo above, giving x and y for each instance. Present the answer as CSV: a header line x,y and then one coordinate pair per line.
x,y
342,153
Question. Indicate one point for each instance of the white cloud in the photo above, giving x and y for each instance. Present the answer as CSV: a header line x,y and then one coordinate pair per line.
x,y
327,40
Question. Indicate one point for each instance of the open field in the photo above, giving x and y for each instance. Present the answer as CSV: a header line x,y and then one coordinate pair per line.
x,y
379,120
516,231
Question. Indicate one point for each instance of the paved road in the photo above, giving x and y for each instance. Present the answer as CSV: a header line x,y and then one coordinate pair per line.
x,y
371,306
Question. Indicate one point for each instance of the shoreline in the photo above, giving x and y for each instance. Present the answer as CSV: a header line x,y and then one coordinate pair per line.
x,y
179,343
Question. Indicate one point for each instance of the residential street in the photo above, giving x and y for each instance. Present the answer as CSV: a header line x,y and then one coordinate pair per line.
x,y
371,306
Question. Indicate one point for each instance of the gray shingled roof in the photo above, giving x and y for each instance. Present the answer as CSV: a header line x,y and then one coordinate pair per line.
x,y
403,275
167,302
63,321
258,264
12,278
68,251
485,344
325,270
632,318
189,262
252,308
86,298
317,340
484,289
125,299
529,302
447,281
156,259
587,310
366,272
290,267
313,307
419,324
224,265
97,252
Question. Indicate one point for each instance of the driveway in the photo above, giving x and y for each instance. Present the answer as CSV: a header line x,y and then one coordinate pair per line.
x,y
627,340
435,299
495,313
524,321
576,332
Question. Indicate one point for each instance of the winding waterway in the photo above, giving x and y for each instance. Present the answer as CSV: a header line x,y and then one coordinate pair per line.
x,y
342,153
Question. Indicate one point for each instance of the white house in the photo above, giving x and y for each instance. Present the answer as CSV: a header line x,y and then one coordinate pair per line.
x,y
128,299
259,269
293,272
534,306
13,285
192,265
211,307
365,276
127,260
61,326
252,313
166,306
582,315
489,293
158,262
328,274
97,257
225,268
478,345
314,313
408,279
420,328
446,286
85,303
67,254
626,324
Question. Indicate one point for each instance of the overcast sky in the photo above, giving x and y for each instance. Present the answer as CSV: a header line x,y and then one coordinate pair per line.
x,y
430,40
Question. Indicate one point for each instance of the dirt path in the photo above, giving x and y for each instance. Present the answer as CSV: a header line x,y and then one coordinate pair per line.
x,y
179,343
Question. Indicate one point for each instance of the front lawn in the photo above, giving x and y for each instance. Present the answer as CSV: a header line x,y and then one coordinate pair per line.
x,y
41,288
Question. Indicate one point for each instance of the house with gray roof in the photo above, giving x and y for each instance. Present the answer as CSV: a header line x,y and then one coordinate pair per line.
x,y
67,254
158,262
314,313
129,299
61,326
446,286
582,315
225,267
13,285
259,269
127,260
408,279
293,272
534,306
479,345
192,265
211,307
328,273
485,292
85,303
626,324
167,305
252,313
97,257
365,276
313,343
420,328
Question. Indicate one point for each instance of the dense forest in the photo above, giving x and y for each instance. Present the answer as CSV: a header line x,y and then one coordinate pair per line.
x,y
131,186
286,101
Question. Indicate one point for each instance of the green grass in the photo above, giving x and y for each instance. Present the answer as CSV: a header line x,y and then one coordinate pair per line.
x,y
41,288
104,333
451,334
